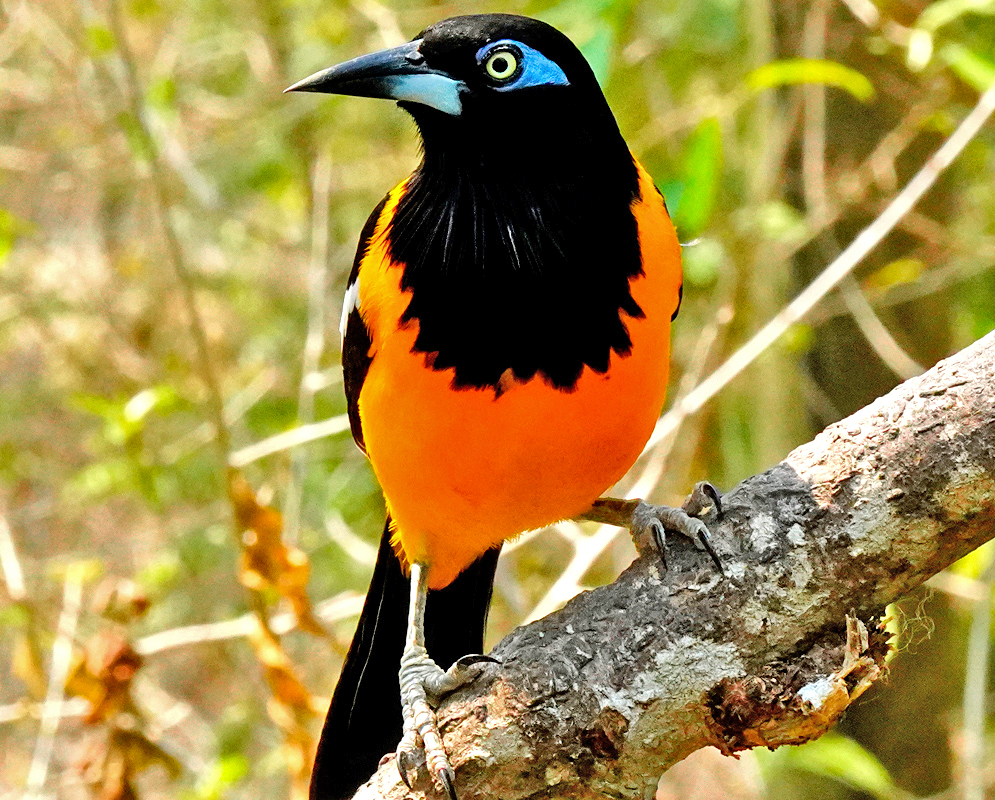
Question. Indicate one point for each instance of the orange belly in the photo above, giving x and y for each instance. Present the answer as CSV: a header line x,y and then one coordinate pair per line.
x,y
464,470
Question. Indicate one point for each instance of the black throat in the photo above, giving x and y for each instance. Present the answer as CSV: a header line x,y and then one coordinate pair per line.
x,y
518,247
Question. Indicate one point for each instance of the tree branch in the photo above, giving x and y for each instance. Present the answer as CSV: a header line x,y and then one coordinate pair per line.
x,y
600,698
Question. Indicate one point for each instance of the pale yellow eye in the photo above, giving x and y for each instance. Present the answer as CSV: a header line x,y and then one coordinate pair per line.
x,y
501,65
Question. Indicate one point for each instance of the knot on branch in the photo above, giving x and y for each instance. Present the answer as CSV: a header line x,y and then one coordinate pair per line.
x,y
794,703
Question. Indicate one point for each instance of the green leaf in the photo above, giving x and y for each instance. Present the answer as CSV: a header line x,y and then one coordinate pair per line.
x,y
799,338
139,406
780,222
895,273
123,418
135,135
144,9
969,66
161,572
701,172
943,12
703,261
10,229
219,776
99,480
162,93
99,40
974,563
792,71
842,759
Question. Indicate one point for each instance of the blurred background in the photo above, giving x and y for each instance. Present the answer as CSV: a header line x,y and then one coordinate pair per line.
x,y
175,235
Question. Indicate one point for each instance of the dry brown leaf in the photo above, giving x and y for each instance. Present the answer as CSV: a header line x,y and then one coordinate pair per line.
x,y
266,561
142,753
286,687
120,599
102,675
110,761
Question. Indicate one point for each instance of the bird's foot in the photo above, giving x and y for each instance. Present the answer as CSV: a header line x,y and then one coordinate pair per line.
x,y
649,523
423,685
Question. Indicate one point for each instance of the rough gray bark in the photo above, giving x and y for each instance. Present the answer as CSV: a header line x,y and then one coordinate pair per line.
x,y
600,698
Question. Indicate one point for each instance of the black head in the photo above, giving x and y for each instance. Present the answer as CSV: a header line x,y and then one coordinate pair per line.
x,y
496,85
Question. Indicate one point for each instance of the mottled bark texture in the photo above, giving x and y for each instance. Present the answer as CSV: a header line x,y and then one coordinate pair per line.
x,y
600,698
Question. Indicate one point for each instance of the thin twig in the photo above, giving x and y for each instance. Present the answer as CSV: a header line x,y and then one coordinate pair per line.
x,y
177,261
26,709
875,332
289,439
708,340
359,550
342,606
13,575
314,344
814,130
869,238
865,11
62,652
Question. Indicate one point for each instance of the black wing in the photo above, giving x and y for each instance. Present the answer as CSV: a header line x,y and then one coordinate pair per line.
x,y
356,340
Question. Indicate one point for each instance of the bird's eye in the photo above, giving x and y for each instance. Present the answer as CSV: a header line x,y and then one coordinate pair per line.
x,y
501,65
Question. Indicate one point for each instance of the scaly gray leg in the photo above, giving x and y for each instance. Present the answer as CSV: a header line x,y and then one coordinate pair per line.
x,y
423,684
648,523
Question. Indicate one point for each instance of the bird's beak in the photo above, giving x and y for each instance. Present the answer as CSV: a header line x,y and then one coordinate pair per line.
x,y
399,73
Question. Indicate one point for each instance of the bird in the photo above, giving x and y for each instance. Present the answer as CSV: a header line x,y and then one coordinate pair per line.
x,y
506,339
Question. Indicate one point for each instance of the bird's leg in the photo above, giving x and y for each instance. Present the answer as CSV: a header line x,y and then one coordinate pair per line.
x,y
648,523
423,684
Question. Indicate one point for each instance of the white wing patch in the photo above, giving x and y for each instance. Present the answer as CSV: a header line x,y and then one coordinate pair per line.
x,y
350,302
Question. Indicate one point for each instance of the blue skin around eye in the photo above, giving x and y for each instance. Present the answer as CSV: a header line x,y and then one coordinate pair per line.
x,y
444,93
536,69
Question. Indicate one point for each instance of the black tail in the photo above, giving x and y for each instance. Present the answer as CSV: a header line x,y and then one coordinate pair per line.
x,y
364,719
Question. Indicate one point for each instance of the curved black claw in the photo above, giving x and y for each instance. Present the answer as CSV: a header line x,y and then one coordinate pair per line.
x,y
706,542
714,496
475,658
447,778
660,539
702,496
405,762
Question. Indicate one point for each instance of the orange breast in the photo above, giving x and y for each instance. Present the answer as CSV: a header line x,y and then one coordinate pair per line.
x,y
464,470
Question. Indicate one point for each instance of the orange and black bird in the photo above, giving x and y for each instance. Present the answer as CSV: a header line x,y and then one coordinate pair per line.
x,y
506,341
